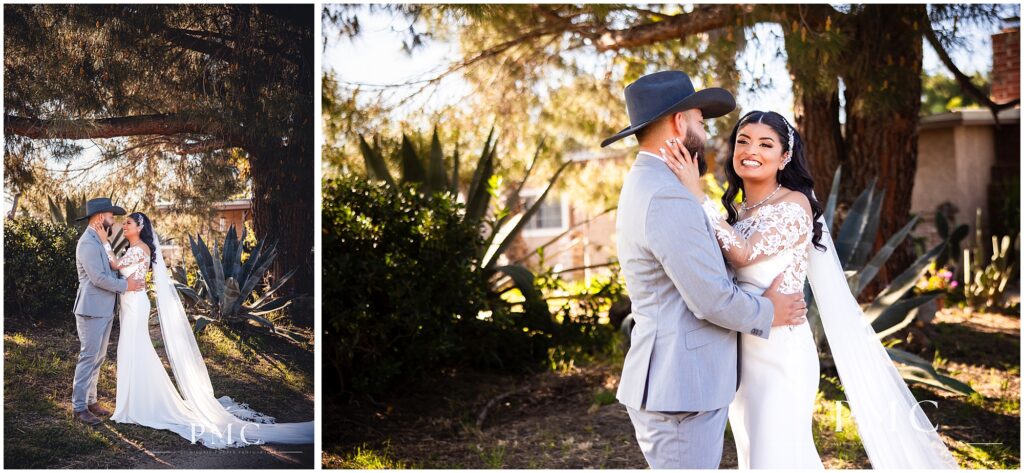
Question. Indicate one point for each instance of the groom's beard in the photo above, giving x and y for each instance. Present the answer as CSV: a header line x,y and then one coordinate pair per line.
x,y
696,148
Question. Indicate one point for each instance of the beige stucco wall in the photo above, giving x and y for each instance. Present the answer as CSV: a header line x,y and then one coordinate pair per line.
x,y
954,165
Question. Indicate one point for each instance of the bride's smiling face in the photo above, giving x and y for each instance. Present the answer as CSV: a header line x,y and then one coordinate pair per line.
x,y
759,153
130,226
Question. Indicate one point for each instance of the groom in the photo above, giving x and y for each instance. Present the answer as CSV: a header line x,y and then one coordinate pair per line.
x,y
98,287
680,373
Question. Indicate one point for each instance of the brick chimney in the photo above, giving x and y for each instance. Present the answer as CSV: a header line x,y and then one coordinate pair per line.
x,y
1006,62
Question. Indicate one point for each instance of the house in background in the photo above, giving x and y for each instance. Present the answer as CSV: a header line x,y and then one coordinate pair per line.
x,y
967,161
580,241
226,213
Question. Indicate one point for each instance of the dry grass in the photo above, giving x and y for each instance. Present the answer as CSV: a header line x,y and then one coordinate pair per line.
x,y
39,432
571,420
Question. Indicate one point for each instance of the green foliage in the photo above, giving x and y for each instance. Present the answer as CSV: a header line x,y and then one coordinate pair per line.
x,y
582,310
409,295
401,277
941,93
40,278
985,285
895,306
501,224
226,290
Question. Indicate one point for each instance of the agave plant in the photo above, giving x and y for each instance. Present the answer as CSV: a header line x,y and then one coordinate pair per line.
x,y
500,225
74,209
895,307
226,288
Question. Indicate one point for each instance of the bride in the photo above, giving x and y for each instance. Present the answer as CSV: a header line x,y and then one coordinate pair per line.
x,y
145,393
778,229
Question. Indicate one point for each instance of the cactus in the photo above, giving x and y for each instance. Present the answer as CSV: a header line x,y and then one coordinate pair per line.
x,y
984,286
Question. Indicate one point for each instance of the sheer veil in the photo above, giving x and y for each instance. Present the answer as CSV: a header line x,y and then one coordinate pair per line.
x,y
892,426
221,422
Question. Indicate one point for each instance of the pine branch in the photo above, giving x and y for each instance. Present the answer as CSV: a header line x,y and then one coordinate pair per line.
x,y
158,124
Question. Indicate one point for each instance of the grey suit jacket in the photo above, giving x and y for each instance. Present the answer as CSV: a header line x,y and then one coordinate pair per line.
x,y
98,283
687,308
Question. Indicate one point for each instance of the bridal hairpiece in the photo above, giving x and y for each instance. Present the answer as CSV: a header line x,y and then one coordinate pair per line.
x,y
142,223
789,154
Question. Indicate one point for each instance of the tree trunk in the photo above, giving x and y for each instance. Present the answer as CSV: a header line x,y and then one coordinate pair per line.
x,y
883,100
282,202
817,119
815,77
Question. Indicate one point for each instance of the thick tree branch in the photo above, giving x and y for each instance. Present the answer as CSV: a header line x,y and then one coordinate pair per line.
x,y
965,82
160,124
215,50
701,19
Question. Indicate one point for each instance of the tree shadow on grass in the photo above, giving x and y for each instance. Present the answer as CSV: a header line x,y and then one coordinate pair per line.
x,y
39,431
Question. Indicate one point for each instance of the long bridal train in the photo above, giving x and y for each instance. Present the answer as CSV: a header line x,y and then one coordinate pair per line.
x,y
146,394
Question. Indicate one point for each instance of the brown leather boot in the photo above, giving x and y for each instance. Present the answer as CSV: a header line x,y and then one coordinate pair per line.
x,y
87,417
98,409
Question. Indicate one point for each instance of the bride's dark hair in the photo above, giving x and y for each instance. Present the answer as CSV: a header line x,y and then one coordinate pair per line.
x,y
794,177
146,235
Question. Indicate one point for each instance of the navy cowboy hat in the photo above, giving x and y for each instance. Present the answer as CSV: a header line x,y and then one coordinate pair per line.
x,y
98,205
662,93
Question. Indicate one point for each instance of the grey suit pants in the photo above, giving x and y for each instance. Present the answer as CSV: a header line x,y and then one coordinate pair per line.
x,y
94,334
681,440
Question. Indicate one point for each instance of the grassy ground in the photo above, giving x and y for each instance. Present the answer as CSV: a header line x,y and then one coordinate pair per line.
x,y
571,419
39,432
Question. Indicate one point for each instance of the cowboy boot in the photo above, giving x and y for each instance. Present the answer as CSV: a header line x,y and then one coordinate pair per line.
x,y
87,417
98,409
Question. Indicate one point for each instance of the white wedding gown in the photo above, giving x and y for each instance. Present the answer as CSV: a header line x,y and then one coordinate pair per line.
x,y
147,396
772,414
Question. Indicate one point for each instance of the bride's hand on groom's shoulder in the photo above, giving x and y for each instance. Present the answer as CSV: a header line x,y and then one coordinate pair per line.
x,y
684,166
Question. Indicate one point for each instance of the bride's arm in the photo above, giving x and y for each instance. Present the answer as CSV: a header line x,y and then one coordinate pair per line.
x,y
134,255
783,225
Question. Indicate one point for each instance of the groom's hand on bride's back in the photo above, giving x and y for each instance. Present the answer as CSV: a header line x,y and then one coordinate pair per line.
x,y
790,309
135,284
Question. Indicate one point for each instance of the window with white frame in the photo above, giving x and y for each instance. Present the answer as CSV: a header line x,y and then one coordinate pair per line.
x,y
551,218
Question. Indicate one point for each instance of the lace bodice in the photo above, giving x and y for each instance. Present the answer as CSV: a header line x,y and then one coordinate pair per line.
x,y
775,239
134,263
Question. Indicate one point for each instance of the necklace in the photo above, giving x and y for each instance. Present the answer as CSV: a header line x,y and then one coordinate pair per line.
x,y
745,208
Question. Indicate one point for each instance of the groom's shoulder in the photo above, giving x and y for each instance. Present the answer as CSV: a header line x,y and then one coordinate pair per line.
x,y
85,238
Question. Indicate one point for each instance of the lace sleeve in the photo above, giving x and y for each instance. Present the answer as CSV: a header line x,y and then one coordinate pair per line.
x,y
132,256
135,255
777,227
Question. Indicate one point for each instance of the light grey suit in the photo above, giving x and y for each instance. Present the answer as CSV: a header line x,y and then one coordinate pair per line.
x,y
680,373
98,287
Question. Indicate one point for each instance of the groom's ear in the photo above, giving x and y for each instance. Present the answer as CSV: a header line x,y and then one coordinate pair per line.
x,y
680,124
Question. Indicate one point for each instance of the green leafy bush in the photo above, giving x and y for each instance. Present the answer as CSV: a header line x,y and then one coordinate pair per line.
x,y
40,279
406,295
399,284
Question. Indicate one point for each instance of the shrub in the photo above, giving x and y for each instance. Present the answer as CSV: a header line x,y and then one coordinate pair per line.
x,y
40,278
400,282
